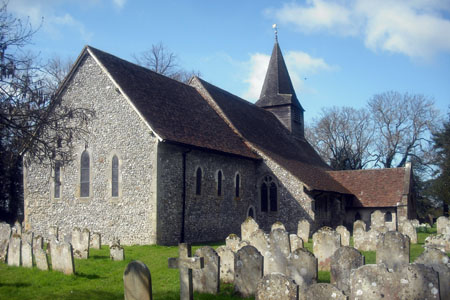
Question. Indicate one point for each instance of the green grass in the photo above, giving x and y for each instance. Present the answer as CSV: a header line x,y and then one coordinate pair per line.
x,y
100,278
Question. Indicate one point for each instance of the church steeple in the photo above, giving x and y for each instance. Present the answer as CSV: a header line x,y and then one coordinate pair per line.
x,y
278,94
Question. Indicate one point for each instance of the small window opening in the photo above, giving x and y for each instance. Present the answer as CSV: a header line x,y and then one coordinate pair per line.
x,y
198,186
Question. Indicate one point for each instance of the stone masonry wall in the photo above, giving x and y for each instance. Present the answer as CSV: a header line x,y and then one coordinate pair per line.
x,y
117,129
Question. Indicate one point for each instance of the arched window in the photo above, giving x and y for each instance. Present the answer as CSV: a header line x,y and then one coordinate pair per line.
x,y
57,183
269,194
388,217
237,186
84,178
115,176
251,213
219,183
198,185
357,216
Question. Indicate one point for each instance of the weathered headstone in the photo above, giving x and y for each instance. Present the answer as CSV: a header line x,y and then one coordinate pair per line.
x,y
62,257
260,241
41,259
393,250
17,228
417,282
302,268
248,227
5,235
440,241
344,260
28,236
27,254
440,262
137,281
227,261
116,252
242,244
441,222
38,242
277,225
248,271
295,241
80,243
53,232
366,240
345,235
359,224
408,229
185,263
324,291
303,230
14,250
373,282
279,238
376,219
325,242
232,242
207,279
95,241
276,286
275,259
415,223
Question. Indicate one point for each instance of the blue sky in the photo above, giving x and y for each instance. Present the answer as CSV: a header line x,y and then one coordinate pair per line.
x,y
338,52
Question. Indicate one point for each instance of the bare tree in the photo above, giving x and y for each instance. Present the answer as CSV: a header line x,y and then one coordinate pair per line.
x,y
56,70
342,136
161,60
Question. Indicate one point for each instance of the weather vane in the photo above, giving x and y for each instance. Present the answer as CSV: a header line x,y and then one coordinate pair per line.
x,y
274,26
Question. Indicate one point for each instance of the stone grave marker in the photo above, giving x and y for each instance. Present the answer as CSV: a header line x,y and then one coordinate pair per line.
x,y
185,263
38,242
366,241
376,219
408,229
275,259
302,268
325,242
345,235
344,260
5,235
227,261
260,241
207,279
28,236
248,227
80,243
17,228
393,250
277,225
440,241
248,271
441,223
415,223
440,262
373,282
95,241
324,291
418,282
276,286
295,241
62,257
303,230
232,242
359,224
242,244
116,252
279,238
53,232
137,281
14,250
41,259
27,254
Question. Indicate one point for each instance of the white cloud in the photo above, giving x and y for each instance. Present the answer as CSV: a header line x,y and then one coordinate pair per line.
x,y
257,71
119,3
416,28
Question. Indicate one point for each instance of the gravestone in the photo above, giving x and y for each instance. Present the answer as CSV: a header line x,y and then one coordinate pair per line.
x,y
418,282
441,223
295,241
80,243
277,225
242,244
345,235
415,223
440,262
366,241
408,229
53,232
324,291
27,255
185,263
17,228
275,259
373,282
279,239
41,259
227,261
260,241
28,236
248,227
116,252
376,219
393,250
248,271
276,286
359,224
38,242
62,257
232,242
137,281
302,268
207,279
344,260
440,241
303,230
14,250
95,241
5,235
325,242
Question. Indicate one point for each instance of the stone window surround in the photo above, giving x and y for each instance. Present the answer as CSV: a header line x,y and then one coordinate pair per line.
x,y
274,180
52,185
240,186
216,178
91,175
110,157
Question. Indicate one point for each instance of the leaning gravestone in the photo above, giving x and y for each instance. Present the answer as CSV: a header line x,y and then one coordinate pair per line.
x,y
53,232
295,241
408,229
324,291
277,225
345,235
232,242
248,227
38,242
260,241
303,230
359,224
248,271
393,250
62,257
302,268
80,243
14,250
27,255
5,235
207,279
95,241
441,223
439,261
137,281
227,261
376,219
276,286
28,236
325,242
418,282
41,259
373,282
344,260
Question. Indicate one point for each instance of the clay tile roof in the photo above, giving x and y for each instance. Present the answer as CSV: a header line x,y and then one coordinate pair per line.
x,y
174,110
375,187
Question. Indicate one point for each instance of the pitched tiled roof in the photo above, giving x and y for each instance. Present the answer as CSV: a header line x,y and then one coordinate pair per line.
x,y
174,110
264,131
375,187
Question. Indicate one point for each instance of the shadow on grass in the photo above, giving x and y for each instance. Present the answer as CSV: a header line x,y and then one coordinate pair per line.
x,y
88,276
99,257
16,284
87,294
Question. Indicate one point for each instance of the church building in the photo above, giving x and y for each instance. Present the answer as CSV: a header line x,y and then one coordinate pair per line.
x,y
166,162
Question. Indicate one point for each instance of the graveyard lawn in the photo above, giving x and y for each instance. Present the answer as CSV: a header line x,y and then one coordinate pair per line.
x,y
100,278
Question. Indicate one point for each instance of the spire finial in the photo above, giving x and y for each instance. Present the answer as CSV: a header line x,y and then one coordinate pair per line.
x,y
275,28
